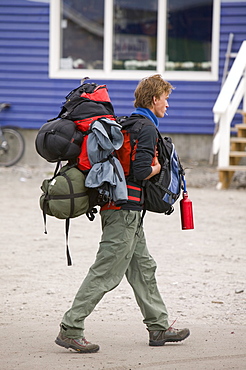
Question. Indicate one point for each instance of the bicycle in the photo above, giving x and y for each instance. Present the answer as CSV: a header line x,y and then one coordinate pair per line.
x,y
12,143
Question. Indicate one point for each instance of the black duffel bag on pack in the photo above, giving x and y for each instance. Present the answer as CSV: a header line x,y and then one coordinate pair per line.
x,y
59,140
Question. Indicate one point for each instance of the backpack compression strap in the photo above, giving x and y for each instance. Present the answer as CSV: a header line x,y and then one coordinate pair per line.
x,y
70,196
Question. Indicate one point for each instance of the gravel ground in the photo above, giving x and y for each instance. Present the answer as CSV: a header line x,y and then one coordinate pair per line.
x,y
201,275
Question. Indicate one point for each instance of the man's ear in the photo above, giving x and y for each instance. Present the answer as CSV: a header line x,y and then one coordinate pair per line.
x,y
154,100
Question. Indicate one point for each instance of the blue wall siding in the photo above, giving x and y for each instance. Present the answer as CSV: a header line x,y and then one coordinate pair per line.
x,y
24,81
24,52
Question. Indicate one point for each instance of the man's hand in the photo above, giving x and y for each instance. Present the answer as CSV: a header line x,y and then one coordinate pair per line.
x,y
156,167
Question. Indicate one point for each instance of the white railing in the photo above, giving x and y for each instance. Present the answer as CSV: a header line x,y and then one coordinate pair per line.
x,y
226,105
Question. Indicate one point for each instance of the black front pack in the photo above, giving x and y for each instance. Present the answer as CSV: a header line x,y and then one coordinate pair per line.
x,y
162,190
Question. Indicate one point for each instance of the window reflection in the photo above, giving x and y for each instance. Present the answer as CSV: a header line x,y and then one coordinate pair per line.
x,y
188,27
82,29
189,35
135,34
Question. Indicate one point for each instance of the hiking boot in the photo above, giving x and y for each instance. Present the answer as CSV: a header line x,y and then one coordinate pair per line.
x,y
160,337
80,345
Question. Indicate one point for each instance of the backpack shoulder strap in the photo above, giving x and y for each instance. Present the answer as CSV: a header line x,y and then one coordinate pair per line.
x,y
134,123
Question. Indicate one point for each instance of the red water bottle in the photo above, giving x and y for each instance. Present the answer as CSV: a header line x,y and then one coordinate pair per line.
x,y
186,211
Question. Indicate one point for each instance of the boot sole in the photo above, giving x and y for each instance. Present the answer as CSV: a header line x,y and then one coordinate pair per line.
x,y
61,343
156,343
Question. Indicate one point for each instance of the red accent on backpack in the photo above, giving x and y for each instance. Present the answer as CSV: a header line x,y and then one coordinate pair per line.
x,y
84,126
124,153
100,94
83,106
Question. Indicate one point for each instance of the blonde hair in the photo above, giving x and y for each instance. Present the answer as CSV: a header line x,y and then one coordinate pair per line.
x,y
150,87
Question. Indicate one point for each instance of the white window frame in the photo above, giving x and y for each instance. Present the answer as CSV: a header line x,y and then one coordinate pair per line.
x,y
108,74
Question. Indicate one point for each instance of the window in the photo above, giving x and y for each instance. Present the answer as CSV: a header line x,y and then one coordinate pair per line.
x,y
189,35
135,35
82,33
125,39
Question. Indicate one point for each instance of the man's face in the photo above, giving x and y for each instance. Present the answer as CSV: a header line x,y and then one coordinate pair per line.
x,y
160,105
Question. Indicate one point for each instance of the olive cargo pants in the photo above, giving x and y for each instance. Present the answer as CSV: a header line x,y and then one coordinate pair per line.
x,y
121,252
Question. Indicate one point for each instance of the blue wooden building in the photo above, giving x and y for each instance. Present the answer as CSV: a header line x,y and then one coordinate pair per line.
x,y
34,81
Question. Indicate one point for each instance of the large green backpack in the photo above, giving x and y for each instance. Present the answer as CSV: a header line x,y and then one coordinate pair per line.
x,y
65,196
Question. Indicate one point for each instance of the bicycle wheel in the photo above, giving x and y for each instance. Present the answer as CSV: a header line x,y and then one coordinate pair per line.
x,y
13,149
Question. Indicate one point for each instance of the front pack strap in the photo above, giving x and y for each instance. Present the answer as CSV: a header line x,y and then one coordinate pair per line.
x,y
170,193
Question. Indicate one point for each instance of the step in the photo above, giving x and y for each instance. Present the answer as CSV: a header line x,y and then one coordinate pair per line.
x,y
232,168
238,140
242,112
235,153
241,126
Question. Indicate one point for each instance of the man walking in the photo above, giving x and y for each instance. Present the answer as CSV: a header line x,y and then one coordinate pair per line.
x,y
123,250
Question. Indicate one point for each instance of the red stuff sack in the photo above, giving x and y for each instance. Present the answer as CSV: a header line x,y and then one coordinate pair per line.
x,y
84,105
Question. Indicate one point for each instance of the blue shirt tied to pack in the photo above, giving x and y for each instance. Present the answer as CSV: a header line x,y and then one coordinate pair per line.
x,y
103,170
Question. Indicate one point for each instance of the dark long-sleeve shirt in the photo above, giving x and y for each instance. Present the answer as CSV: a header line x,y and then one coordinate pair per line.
x,y
141,165
145,152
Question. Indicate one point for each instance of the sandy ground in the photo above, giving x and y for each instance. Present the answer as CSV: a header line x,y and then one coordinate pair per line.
x,y
201,275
